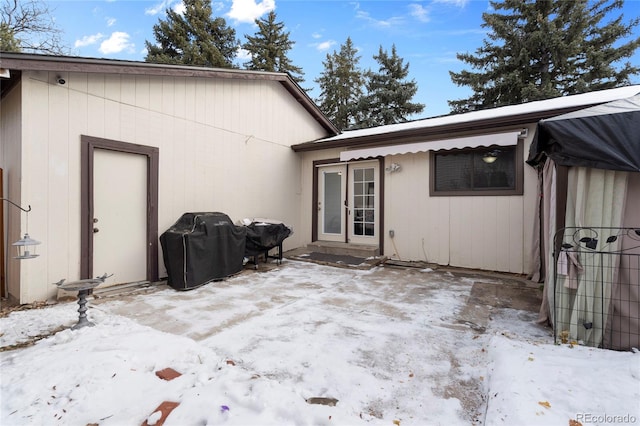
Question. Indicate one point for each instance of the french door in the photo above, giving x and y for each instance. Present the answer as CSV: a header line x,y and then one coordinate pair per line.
x,y
349,203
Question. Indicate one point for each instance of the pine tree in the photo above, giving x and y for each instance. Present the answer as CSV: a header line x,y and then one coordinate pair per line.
x,y
540,49
193,39
269,47
389,94
341,86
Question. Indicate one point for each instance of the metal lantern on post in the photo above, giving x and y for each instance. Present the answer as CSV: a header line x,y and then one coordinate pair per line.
x,y
25,246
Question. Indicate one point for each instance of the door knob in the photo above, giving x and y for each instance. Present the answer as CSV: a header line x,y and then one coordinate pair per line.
x,y
95,230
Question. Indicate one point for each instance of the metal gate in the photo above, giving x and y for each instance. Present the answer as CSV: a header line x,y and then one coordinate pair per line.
x,y
596,291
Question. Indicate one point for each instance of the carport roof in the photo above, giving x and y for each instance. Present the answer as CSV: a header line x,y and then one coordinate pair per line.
x,y
17,62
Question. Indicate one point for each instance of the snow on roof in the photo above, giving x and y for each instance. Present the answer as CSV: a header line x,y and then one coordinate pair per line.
x,y
586,99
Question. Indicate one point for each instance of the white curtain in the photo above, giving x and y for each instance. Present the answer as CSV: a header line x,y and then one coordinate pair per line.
x,y
595,199
548,226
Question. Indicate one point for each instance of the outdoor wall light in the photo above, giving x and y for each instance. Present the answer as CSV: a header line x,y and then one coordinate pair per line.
x,y
523,133
393,167
26,246
491,156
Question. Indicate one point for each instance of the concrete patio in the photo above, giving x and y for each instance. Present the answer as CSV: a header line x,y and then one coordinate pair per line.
x,y
417,332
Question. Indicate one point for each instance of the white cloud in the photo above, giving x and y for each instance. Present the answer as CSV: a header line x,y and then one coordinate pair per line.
x,y
217,6
380,23
457,3
110,21
118,42
88,40
160,7
316,35
250,10
325,45
419,12
179,8
243,55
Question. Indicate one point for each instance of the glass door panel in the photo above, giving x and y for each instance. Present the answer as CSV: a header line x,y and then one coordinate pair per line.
x,y
333,206
363,203
332,186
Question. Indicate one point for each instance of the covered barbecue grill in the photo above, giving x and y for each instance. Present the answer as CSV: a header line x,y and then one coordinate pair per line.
x,y
202,247
264,235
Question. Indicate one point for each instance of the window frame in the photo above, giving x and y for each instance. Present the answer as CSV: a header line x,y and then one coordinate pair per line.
x,y
519,174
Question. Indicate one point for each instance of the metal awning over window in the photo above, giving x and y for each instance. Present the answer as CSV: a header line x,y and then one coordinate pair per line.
x,y
501,139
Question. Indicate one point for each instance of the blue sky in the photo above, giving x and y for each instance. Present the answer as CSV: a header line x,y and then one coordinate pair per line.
x,y
427,34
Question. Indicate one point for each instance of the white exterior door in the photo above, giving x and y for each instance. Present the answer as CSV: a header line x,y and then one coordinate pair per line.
x,y
332,186
120,216
364,203
349,203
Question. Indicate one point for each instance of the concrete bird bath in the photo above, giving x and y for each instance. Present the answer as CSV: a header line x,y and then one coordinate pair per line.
x,y
82,287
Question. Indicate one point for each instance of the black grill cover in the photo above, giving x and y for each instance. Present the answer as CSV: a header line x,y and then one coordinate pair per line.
x,y
201,247
262,237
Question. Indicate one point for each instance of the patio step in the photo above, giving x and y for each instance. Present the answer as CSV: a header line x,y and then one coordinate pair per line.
x,y
346,249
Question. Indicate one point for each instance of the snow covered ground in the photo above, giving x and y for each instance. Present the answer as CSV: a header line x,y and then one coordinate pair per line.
x,y
383,346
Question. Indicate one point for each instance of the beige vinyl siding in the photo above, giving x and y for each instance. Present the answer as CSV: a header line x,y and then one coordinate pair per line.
x,y
484,232
10,161
35,188
224,146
